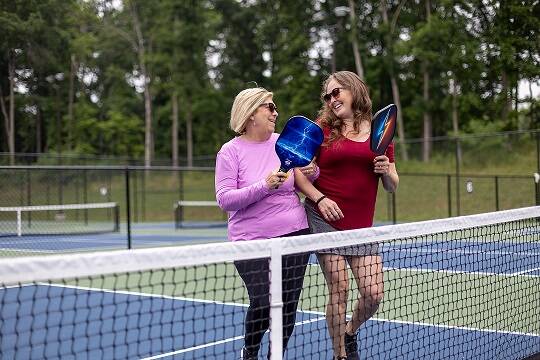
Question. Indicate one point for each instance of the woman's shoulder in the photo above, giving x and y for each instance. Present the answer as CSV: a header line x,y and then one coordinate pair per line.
x,y
230,146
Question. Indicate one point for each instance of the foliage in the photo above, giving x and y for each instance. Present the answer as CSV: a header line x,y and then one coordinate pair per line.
x,y
204,52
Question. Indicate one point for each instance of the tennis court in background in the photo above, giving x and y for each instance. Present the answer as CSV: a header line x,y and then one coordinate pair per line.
x,y
143,235
461,293
31,230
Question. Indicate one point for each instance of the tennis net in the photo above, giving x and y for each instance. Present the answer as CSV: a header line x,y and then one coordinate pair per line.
x,y
198,214
22,221
458,288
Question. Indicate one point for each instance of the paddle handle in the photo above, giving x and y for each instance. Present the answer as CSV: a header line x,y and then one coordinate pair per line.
x,y
282,169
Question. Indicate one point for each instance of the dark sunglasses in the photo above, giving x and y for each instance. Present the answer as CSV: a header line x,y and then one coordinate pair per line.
x,y
334,93
271,106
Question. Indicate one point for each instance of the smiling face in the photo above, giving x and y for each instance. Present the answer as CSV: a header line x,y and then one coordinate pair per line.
x,y
340,99
263,121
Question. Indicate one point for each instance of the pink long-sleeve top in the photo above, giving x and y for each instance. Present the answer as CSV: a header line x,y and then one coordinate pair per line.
x,y
255,212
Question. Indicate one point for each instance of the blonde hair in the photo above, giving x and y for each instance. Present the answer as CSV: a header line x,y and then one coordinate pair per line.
x,y
244,105
361,104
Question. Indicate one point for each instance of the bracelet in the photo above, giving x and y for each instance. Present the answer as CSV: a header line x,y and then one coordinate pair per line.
x,y
320,199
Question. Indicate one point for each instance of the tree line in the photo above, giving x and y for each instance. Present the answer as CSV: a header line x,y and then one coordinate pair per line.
x,y
156,79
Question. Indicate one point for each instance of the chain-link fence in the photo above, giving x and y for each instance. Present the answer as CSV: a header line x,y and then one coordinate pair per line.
x,y
147,198
155,206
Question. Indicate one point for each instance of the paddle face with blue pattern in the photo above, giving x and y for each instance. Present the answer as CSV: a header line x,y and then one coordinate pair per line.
x,y
383,128
298,143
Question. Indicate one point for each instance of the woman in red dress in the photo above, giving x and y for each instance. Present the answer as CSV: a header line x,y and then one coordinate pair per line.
x,y
343,198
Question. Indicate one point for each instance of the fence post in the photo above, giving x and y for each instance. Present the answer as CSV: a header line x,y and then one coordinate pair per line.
x,y
394,215
538,152
180,185
458,205
128,208
21,191
537,175
47,194
496,193
143,193
449,193
61,187
537,188
136,209
85,194
29,195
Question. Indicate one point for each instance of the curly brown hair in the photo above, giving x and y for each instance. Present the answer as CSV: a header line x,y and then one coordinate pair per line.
x,y
361,105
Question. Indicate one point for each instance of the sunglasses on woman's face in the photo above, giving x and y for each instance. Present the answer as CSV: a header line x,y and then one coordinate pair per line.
x,y
334,93
270,106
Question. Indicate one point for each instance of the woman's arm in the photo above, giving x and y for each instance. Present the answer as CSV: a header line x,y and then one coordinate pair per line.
x,y
391,179
229,197
311,171
303,184
328,207
388,172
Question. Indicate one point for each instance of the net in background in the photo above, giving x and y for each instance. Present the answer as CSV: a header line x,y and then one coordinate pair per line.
x,y
198,214
30,227
461,288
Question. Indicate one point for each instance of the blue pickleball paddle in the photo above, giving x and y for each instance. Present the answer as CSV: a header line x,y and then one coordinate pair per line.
x,y
298,143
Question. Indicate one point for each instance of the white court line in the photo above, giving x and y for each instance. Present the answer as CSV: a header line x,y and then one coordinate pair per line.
x,y
322,317
527,271
460,272
467,252
454,327
133,293
221,341
307,312
443,249
30,250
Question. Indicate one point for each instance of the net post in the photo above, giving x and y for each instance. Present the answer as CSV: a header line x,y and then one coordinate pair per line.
x,y
276,303
179,215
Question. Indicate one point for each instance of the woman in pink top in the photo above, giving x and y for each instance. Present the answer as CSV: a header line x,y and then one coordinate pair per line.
x,y
261,204
343,198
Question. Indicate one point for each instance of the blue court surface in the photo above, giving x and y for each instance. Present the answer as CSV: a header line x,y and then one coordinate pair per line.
x,y
143,235
103,325
67,321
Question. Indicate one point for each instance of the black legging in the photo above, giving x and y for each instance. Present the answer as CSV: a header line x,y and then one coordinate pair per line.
x,y
255,274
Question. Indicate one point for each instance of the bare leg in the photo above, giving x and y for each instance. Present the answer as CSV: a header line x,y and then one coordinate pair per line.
x,y
334,268
367,271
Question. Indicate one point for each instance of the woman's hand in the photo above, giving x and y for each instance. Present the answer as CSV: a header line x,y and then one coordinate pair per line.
x,y
382,165
275,179
330,210
309,170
